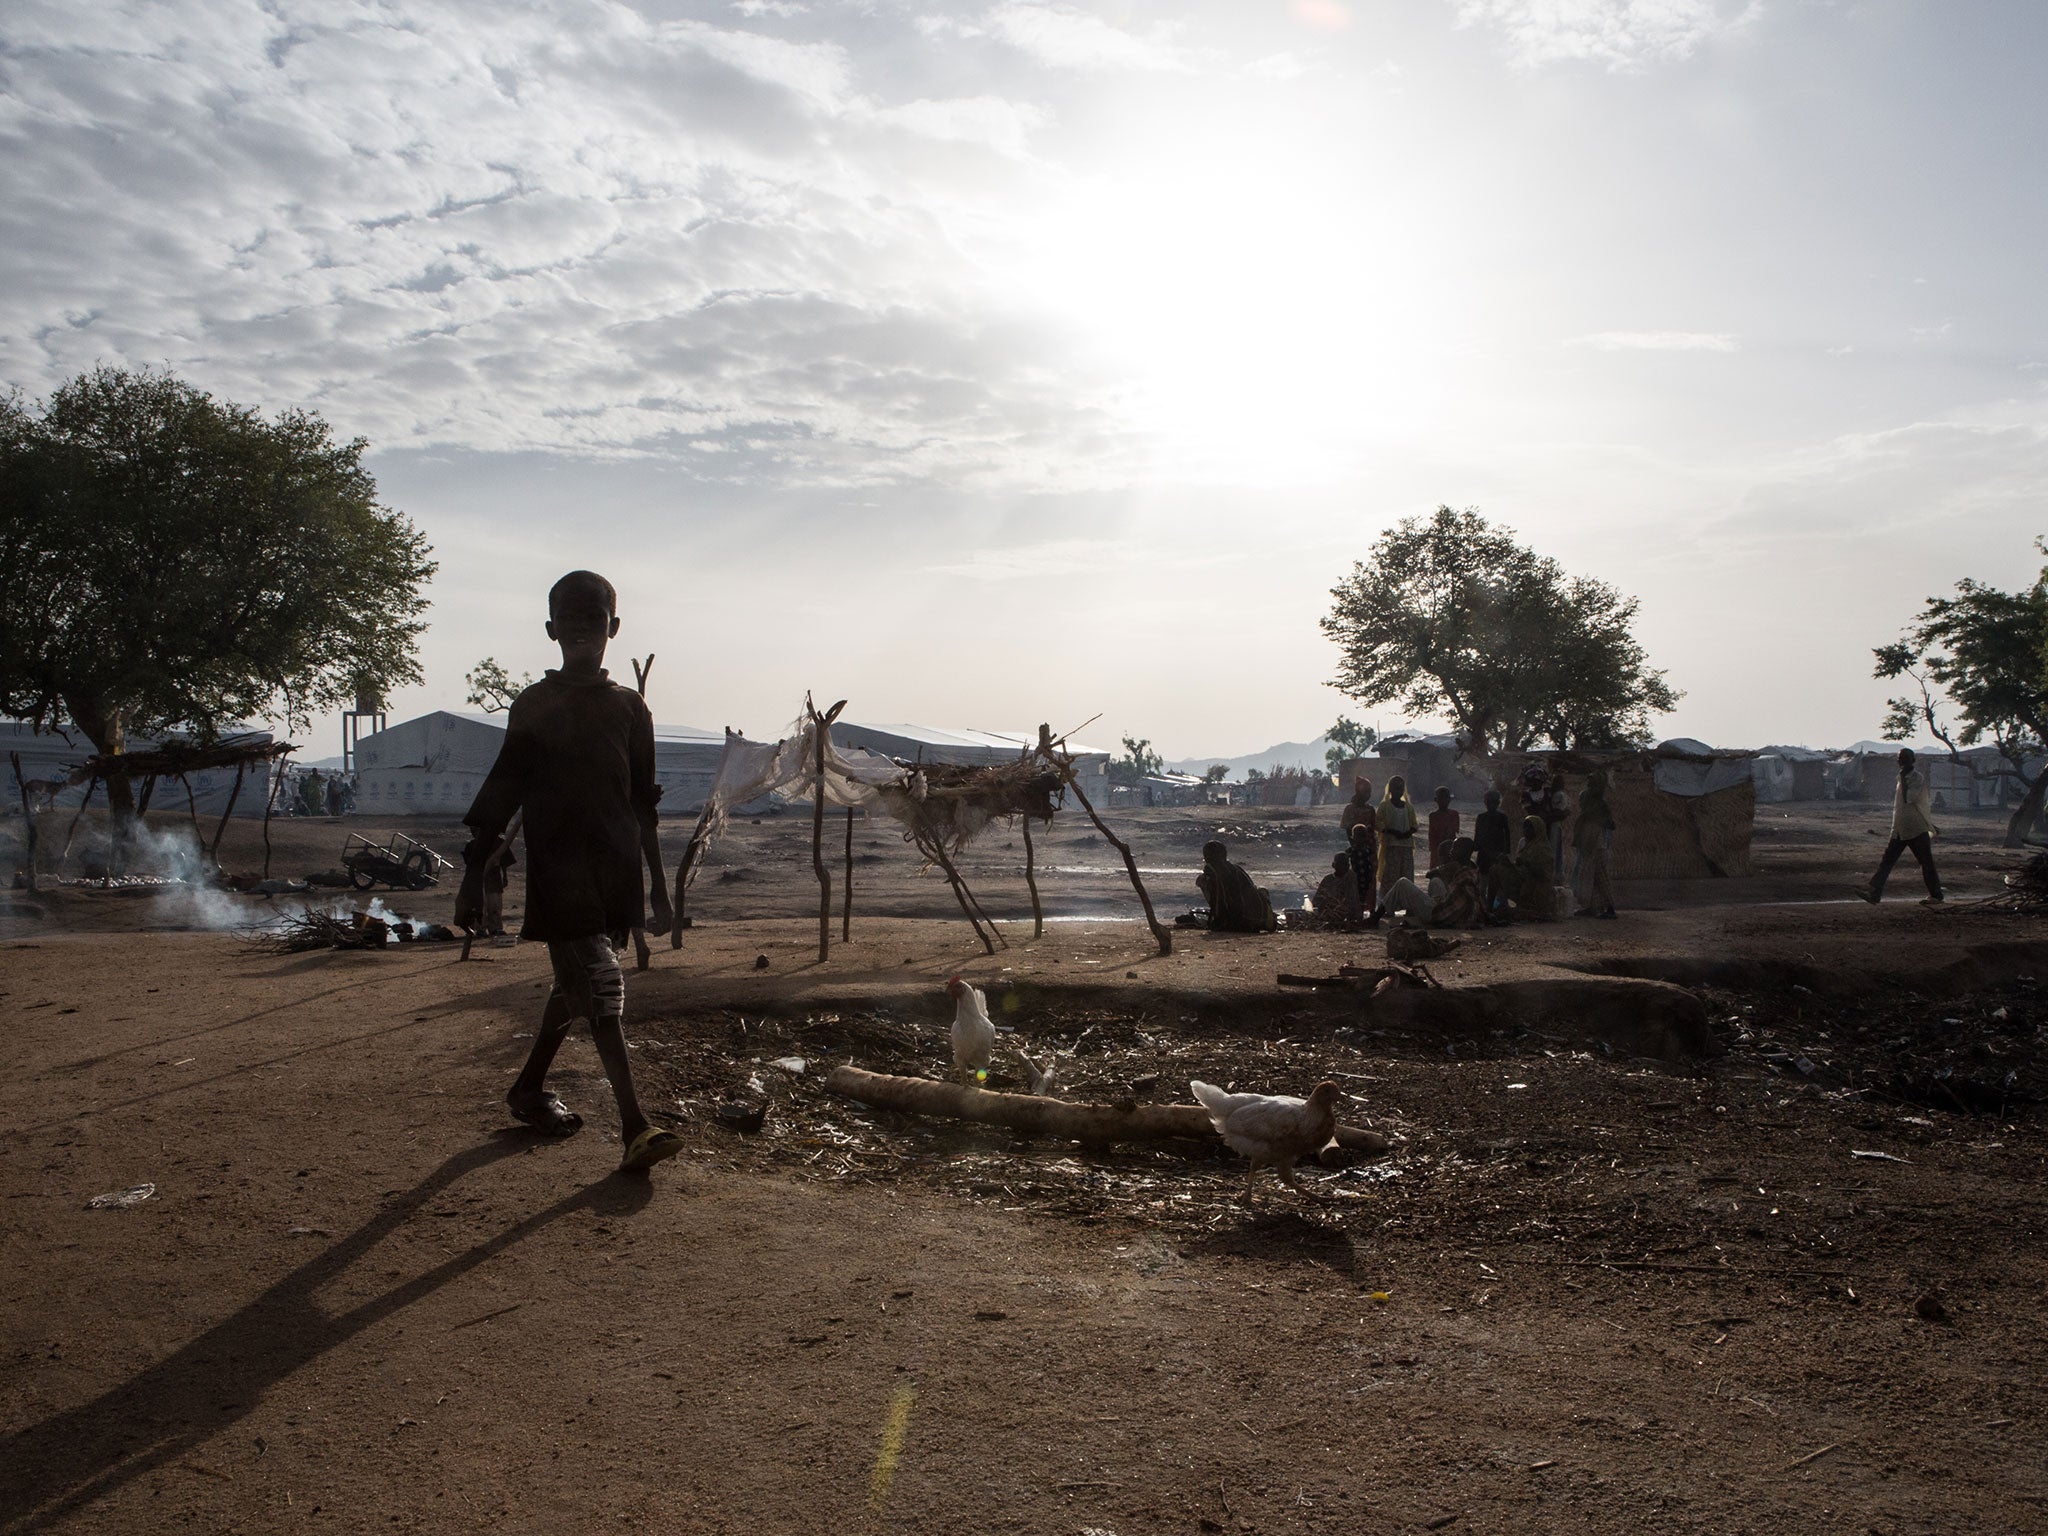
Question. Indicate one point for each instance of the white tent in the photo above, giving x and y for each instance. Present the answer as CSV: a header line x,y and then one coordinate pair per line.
x,y
433,765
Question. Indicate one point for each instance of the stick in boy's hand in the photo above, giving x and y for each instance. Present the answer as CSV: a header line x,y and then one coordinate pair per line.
x,y
578,763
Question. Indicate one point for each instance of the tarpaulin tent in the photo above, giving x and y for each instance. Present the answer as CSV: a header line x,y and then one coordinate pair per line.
x,y
1682,810
48,757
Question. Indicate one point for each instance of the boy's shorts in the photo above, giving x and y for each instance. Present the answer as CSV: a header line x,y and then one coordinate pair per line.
x,y
588,978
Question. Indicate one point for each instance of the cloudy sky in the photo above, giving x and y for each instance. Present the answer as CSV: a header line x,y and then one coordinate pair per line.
x,y
996,363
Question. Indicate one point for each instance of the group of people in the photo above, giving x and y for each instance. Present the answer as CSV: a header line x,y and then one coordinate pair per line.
x,y
1498,873
1490,876
315,795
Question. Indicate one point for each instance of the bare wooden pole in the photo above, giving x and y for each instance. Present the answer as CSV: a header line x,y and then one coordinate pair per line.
x,y
1031,881
192,810
141,822
818,843
846,896
490,867
276,783
641,957
28,819
822,725
982,912
234,794
695,845
91,784
937,850
1160,932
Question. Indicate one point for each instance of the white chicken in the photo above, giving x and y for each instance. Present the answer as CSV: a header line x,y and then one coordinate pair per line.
x,y
974,1032
1273,1130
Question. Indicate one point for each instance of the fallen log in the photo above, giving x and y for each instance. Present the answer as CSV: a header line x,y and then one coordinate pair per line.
x,y
1097,1124
1365,978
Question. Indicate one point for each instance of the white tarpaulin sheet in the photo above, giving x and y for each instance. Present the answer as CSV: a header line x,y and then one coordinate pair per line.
x,y
1700,771
788,769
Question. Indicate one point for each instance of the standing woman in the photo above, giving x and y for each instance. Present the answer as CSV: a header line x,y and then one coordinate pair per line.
x,y
1591,835
1358,809
1398,823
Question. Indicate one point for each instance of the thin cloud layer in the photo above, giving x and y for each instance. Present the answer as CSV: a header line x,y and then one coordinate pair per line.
x,y
1659,341
1123,323
574,229
1620,34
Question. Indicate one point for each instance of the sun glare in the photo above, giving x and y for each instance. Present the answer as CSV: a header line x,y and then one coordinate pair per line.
x,y
1266,320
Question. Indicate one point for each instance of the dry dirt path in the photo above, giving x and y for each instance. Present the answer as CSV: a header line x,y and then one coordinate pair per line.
x,y
358,1301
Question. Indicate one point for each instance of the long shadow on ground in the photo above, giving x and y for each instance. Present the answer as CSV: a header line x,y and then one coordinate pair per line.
x,y
54,1468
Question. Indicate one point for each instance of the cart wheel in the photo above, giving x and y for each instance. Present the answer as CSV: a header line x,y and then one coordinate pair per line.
x,y
360,878
418,869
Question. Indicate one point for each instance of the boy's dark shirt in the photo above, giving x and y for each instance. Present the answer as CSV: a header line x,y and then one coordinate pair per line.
x,y
578,757
1492,834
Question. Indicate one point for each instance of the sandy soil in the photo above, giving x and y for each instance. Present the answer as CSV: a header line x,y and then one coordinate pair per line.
x,y
1625,1270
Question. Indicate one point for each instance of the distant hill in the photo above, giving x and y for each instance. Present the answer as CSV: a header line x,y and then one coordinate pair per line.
x,y
1287,754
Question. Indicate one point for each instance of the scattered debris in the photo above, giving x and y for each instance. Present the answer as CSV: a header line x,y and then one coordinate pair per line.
x,y
746,1118
1409,944
121,1199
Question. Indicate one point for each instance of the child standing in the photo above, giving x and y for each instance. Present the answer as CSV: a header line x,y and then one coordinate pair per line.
x,y
578,761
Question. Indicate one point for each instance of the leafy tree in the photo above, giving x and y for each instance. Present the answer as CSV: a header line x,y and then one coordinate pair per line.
x,y
1984,648
1216,773
492,688
1451,616
1255,775
173,562
1138,763
1347,739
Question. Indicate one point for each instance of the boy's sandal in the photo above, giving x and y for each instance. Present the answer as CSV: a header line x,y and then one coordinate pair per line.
x,y
547,1114
651,1146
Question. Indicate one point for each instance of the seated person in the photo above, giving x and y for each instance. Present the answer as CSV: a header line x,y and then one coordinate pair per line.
x,y
1235,904
1526,879
1336,900
1454,886
1452,900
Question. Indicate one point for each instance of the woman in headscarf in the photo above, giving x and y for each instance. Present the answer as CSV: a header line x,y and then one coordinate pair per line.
x,y
1358,809
1397,834
1591,834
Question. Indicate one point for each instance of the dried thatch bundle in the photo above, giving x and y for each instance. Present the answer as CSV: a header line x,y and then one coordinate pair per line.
x,y
2026,891
947,804
2027,886
318,928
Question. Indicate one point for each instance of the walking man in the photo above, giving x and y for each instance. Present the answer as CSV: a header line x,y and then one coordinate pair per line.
x,y
1912,827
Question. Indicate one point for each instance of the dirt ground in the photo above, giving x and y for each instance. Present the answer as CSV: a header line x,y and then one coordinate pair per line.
x,y
1726,1216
